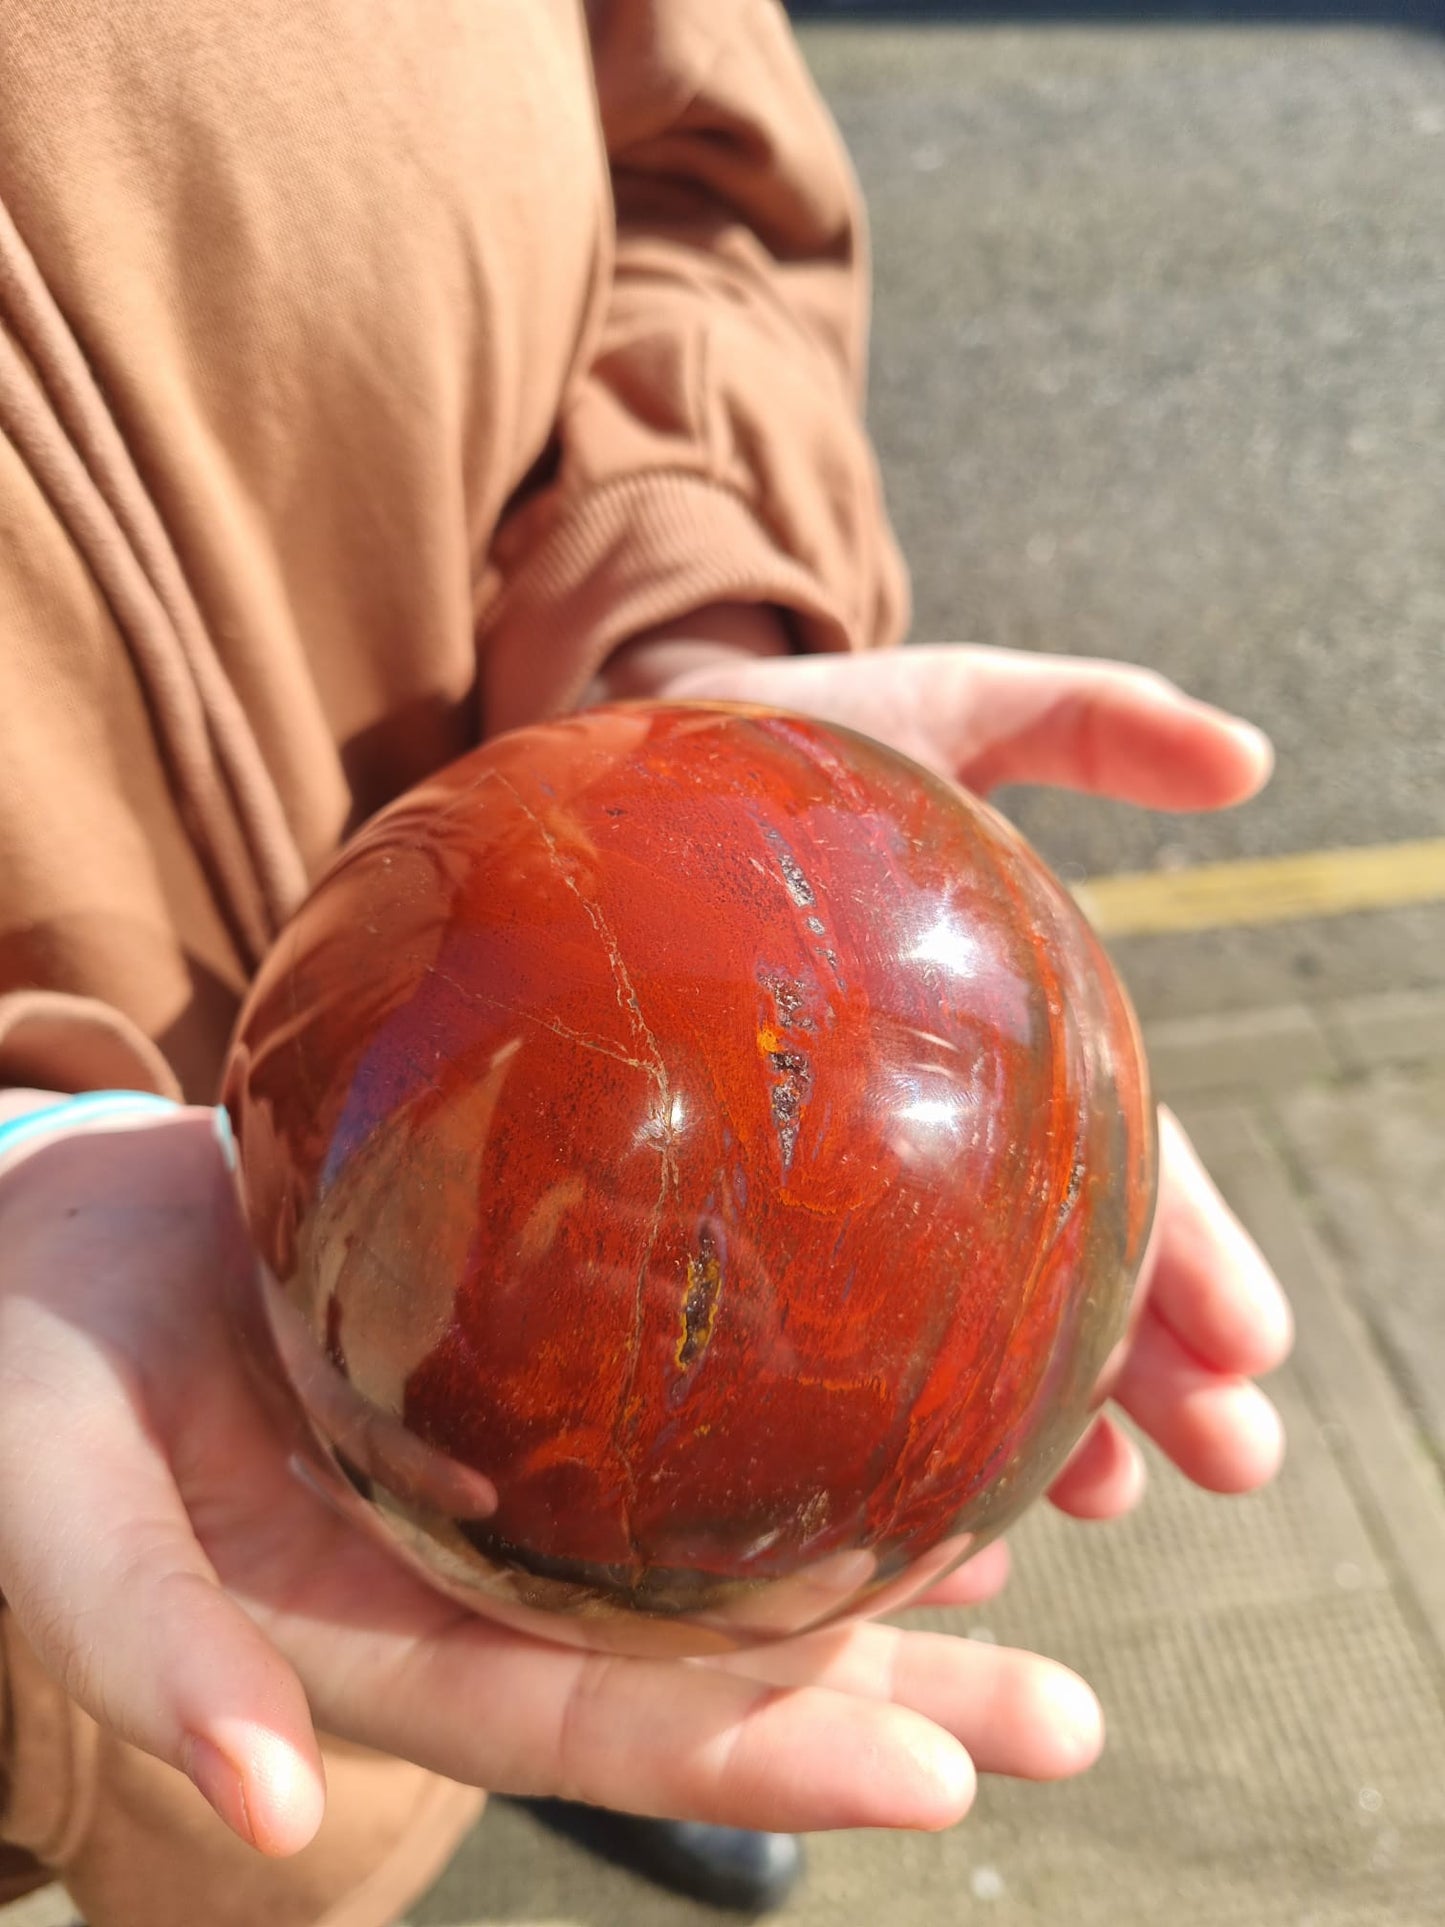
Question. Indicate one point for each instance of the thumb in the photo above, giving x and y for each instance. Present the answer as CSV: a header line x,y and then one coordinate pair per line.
x,y
108,1582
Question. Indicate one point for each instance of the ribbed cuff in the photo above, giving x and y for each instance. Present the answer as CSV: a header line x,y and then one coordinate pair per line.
x,y
639,552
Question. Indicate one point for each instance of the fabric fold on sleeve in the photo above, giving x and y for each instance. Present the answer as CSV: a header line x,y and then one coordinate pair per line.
x,y
713,447
52,1041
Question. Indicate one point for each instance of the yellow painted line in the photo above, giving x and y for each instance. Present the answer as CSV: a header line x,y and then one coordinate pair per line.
x,y
1274,889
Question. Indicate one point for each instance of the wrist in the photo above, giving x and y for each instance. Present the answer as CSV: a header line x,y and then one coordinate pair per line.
x,y
716,636
30,1119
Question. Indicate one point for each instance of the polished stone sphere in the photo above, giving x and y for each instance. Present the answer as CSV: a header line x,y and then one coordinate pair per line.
x,y
700,1163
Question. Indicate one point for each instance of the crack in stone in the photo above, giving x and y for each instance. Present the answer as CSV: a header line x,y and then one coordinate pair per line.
x,y
625,1425
626,994
625,1422
554,1024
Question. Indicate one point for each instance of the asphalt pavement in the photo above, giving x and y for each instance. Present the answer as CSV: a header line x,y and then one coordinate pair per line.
x,y
1157,375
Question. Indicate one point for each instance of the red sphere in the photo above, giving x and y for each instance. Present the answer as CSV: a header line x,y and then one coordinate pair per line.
x,y
702,1161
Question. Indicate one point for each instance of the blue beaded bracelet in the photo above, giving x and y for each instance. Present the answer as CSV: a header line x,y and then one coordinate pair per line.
x,y
89,1108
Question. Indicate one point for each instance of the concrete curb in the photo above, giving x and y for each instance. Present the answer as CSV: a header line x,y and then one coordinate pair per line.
x,y
1253,1051
1405,1027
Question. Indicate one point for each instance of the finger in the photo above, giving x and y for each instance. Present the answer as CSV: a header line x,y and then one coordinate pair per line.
x,y
480,1704
989,716
983,1577
1114,730
1015,1712
99,1563
1221,1431
1105,1477
1210,1283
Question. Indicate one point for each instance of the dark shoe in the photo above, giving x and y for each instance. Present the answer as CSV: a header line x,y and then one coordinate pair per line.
x,y
749,1872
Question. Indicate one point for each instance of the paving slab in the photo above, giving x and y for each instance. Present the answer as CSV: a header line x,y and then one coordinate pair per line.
x,y
1238,1050
1320,959
1346,1375
1369,1157
1281,1047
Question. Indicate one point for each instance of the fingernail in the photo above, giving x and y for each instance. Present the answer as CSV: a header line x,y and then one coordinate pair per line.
x,y
1272,1439
219,1784
1253,739
1078,1722
1256,1433
1276,1319
1261,1313
953,1782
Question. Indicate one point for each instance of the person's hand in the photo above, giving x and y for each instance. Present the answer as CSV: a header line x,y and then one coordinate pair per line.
x,y
191,1593
1214,1314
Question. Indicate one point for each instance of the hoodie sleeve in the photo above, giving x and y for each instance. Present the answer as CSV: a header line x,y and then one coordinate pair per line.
x,y
713,448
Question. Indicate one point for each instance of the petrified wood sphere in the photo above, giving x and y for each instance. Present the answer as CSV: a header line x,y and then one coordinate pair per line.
x,y
701,1162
